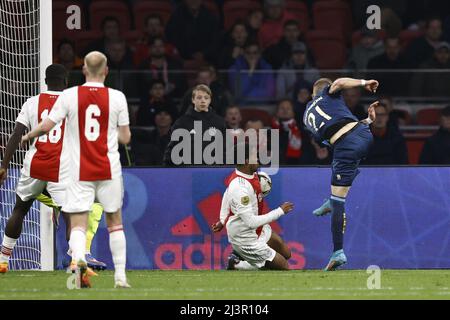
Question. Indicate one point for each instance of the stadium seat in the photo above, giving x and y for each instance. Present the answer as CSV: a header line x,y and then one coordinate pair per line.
x,y
84,38
328,48
300,10
142,9
235,10
407,36
99,10
332,15
357,35
252,114
60,15
428,116
414,147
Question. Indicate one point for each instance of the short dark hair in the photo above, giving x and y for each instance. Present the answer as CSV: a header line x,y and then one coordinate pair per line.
x,y
291,22
55,75
108,19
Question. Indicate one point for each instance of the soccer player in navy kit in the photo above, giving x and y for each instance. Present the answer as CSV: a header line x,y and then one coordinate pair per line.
x,y
331,123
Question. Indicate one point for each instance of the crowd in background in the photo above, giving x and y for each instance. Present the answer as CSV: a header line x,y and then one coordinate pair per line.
x,y
266,59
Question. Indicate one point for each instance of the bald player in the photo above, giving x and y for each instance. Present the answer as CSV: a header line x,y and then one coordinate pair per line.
x,y
97,119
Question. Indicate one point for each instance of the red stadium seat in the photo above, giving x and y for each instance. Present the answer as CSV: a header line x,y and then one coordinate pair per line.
x,y
414,147
99,10
332,15
300,10
328,48
407,36
428,116
235,10
253,114
60,15
143,9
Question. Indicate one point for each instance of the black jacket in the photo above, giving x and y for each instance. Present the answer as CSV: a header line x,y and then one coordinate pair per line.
x,y
210,122
437,148
389,149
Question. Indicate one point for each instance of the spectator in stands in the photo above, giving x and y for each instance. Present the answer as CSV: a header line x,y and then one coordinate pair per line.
x,y
437,148
302,95
396,117
154,27
389,146
391,83
153,101
119,55
279,53
434,84
368,47
254,23
423,48
194,31
257,124
233,118
67,57
149,147
111,32
221,97
276,16
247,81
290,136
160,66
234,44
313,154
294,70
352,98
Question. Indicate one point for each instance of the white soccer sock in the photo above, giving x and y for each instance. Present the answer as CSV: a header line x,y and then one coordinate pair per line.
x,y
244,265
118,246
77,244
8,245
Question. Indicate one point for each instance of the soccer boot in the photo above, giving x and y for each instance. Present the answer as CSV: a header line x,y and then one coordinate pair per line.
x,y
121,284
94,263
324,209
84,273
232,261
3,267
337,259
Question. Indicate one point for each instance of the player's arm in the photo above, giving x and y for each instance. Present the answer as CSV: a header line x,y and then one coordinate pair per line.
x,y
124,134
11,147
348,83
224,212
371,113
42,128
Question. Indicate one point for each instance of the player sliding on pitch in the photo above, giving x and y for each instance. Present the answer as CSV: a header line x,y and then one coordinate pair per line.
x,y
331,123
254,243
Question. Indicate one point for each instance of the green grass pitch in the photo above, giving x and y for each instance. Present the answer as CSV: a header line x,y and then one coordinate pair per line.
x,y
206,285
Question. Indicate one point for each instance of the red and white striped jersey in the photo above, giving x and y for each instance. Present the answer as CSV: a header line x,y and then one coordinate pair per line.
x,y
93,113
44,160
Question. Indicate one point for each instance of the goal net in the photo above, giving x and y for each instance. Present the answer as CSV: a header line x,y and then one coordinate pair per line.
x,y
25,51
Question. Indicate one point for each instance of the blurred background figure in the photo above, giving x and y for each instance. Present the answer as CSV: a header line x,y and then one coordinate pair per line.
x,y
437,148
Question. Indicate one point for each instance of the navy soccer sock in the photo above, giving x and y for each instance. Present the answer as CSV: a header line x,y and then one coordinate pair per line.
x,y
337,221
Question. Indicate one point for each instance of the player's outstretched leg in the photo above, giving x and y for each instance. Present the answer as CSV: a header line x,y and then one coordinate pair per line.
x,y
13,230
277,244
95,215
278,263
118,246
338,257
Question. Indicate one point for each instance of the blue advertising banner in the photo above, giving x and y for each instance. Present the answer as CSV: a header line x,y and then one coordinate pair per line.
x,y
396,218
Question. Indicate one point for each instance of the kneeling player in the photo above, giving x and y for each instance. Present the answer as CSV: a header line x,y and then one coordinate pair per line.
x,y
249,232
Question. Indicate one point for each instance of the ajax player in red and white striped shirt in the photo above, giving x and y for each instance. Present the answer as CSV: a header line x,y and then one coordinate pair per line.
x,y
97,119
44,164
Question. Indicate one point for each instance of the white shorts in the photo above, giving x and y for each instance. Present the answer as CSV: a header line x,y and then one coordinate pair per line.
x,y
29,188
258,252
80,195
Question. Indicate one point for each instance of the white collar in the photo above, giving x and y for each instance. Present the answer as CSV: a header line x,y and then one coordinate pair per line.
x,y
93,84
55,93
244,175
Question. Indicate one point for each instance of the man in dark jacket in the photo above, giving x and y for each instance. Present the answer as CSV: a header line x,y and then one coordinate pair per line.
x,y
198,122
389,146
437,148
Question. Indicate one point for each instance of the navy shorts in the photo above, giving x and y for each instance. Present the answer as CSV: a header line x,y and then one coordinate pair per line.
x,y
347,154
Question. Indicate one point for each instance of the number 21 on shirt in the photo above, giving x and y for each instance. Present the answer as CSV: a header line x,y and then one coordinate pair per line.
x,y
311,116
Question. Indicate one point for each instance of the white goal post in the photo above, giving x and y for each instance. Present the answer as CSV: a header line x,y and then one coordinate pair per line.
x,y
25,52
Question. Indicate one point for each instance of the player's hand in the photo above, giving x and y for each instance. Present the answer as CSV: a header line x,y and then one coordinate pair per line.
x,y
371,110
25,140
3,175
217,227
287,207
371,85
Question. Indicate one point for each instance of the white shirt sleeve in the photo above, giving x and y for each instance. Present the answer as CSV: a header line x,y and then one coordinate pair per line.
x,y
24,115
124,119
241,199
225,207
60,109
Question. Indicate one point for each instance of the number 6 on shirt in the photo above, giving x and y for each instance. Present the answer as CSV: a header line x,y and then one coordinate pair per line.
x,y
92,126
